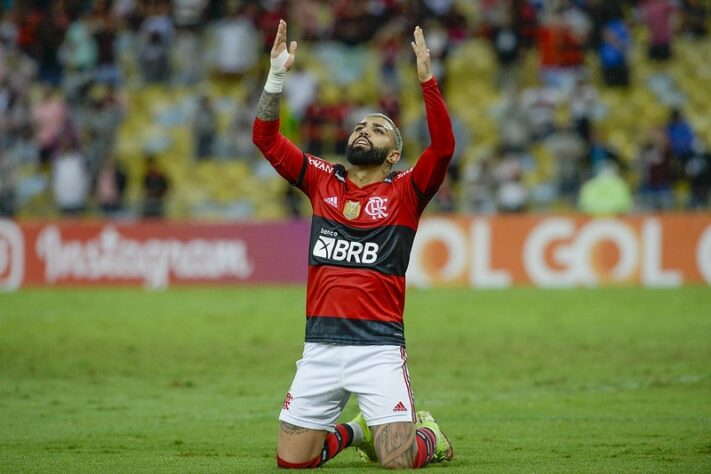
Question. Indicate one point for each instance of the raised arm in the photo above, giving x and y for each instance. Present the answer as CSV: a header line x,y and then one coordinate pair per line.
x,y
286,158
431,168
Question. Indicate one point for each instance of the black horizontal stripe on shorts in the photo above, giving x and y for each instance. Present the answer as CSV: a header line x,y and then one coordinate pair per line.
x,y
356,332
394,245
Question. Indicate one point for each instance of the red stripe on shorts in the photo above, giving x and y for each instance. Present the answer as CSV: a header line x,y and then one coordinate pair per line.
x,y
406,376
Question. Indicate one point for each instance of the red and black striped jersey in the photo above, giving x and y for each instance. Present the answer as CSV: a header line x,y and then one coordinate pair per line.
x,y
361,237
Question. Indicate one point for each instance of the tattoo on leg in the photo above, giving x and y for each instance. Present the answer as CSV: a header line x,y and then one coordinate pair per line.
x,y
395,444
288,428
268,107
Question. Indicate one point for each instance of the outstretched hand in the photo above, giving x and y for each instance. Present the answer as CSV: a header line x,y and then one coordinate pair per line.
x,y
424,63
280,46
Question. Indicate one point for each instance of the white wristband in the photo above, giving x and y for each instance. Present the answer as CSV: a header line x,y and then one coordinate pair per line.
x,y
277,73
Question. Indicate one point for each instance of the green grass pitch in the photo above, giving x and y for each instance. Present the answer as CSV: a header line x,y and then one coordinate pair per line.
x,y
191,380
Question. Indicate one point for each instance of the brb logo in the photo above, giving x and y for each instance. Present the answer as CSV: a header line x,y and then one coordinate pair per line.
x,y
12,254
339,250
377,207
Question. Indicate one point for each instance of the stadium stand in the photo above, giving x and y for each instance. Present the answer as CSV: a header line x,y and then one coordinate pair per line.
x,y
124,79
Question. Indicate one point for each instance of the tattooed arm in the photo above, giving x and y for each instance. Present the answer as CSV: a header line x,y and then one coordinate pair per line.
x,y
268,107
284,156
395,444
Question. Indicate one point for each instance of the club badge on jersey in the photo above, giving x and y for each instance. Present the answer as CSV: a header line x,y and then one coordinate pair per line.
x,y
377,207
351,210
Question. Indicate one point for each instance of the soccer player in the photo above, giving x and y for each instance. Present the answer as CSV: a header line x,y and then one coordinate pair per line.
x,y
364,221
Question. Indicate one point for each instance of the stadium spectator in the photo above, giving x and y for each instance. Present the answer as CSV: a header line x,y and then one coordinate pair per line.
x,y
204,128
660,16
78,55
123,10
237,41
508,46
512,119
110,187
511,194
8,26
240,137
300,92
389,103
562,39
324,129
600,13
267,17
313,18
568,150
655,166
105,32
8,184
188,13
525,21
538,104
600,152
584,106
99,121
614,53
51,118
389,44
478,185
70,178
188,50
357,206
680,135
155,40
155,188
606,193
356,23
44,34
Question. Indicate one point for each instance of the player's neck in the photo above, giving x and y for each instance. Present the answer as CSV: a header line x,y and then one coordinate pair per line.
x,y
364,175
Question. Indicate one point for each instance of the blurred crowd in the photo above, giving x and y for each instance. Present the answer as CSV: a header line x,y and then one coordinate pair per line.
x,y
69,68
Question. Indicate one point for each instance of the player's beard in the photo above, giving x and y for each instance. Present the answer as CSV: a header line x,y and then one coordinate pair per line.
x,y
366,156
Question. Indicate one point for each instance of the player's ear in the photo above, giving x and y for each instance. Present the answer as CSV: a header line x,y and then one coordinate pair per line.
x,y
393,157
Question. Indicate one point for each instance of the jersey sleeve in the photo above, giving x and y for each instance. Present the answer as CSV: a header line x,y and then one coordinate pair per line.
x,y
301,169
286,158
431,168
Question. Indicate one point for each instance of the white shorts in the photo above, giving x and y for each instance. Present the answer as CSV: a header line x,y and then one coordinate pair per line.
x,y
327,375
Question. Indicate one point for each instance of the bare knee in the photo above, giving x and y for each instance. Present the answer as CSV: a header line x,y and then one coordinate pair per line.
x,y
297,444
395,445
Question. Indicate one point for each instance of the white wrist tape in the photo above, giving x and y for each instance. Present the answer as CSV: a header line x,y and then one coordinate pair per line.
x,y
277,73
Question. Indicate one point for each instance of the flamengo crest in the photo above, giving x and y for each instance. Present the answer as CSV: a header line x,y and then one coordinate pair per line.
x,y
377,207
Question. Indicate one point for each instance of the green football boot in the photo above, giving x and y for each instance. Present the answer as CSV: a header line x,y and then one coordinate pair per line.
x,y
366,449
443,450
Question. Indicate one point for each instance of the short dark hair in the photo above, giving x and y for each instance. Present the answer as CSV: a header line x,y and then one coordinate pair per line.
x,y
397,136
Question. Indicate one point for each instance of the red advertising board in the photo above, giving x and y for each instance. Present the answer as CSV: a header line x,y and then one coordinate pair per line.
x,y
562,251
474,251
154,255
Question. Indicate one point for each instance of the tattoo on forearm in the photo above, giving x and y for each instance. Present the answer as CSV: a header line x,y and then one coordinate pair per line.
x,y
395,444
268,107
292,429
